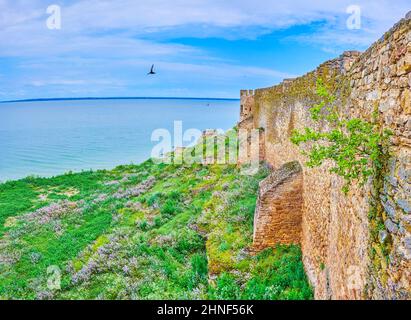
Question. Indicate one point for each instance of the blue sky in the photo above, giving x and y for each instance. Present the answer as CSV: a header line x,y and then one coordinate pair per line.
x,y
200,48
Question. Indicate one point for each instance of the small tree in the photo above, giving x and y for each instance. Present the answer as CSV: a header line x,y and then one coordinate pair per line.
x,y
356,147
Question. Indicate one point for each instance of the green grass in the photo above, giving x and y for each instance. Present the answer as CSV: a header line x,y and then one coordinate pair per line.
x,y
185,237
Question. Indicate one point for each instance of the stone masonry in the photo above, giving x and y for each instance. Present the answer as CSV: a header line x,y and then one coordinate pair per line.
x,y
278,214
346,253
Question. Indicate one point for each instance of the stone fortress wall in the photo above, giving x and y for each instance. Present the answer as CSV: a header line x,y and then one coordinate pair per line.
x,y
346,254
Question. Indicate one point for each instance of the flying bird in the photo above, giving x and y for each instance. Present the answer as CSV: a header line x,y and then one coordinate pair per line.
x,y
152,70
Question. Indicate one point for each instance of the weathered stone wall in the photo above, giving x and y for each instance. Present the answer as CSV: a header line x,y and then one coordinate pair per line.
x,y
354,246
278,213
251,143
247,103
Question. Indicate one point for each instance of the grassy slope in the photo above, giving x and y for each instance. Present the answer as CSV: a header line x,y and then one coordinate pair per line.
x,y
185,237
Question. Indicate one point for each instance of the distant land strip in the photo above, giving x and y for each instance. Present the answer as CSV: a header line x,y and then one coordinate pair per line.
x,y
118,98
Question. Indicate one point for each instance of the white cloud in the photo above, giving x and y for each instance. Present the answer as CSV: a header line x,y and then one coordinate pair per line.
x,y
123,28
143,15
140,17
102,39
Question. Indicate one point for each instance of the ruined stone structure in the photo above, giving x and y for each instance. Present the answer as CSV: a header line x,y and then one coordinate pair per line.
x,y
247,102
348,253
279,208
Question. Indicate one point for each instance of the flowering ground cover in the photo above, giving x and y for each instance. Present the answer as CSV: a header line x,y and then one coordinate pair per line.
x,y
148,231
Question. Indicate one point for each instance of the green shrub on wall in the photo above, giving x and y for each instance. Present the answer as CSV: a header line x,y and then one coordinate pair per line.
x,y
357,148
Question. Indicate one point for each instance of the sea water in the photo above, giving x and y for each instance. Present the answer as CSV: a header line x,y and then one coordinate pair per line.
x,y
46,138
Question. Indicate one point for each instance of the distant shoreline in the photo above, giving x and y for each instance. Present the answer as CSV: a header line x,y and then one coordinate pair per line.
x,y
117,98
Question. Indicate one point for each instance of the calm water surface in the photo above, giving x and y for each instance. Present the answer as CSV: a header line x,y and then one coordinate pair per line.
x,y
53,137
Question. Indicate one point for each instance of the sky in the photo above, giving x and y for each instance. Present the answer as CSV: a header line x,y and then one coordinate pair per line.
x,y
200,48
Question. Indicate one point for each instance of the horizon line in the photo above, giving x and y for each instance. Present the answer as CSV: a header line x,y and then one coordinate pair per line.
x,y
116,98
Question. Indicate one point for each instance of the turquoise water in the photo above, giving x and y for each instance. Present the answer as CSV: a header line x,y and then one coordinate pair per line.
x,y
53,137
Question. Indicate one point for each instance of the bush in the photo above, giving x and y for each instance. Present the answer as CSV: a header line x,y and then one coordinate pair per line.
x,y
189,241
226,288
199,265
357,148
170,208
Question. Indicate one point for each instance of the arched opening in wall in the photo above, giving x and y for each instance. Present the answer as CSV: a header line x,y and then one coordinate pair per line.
x,y
278,214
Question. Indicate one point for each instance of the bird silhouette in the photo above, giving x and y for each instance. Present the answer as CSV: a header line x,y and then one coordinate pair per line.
x,y
152,70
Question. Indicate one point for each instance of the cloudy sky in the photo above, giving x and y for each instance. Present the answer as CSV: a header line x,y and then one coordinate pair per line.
x,y
201,48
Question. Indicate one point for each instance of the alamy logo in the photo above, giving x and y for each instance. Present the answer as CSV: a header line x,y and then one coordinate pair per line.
x,y
54,278
354,20
54,20
207,147
354,278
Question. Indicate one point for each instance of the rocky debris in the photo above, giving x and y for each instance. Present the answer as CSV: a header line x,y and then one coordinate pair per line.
x,y
407,245
389,208
404,205
243,254
382,235
391,226
347,59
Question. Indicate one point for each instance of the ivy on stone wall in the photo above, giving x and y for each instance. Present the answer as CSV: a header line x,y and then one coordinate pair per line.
x,y
357,148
